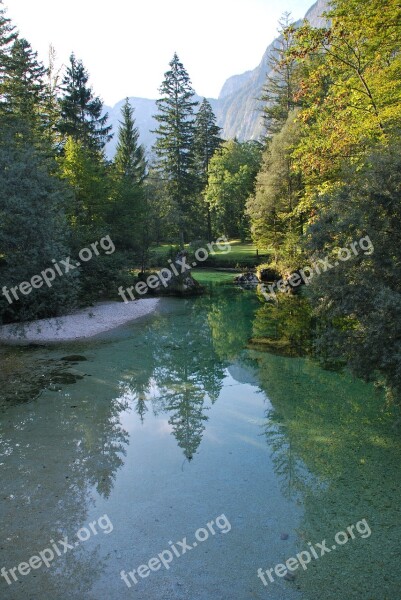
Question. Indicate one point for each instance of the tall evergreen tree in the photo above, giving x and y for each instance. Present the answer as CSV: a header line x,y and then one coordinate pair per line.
x,y
282,82
82,115
23,85
130,156
207,140
8,35
127,213
175,140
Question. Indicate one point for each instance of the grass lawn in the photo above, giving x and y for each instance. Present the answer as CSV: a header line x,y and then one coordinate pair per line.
x,y
242,254
209,276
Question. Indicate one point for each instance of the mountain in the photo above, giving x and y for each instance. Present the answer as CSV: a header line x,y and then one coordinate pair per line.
x,y
237,108
144,111
144,117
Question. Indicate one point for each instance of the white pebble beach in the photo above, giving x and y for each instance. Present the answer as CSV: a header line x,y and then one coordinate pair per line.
x,y
81,324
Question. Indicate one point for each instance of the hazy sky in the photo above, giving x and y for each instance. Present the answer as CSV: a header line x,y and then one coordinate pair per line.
x,y
126,45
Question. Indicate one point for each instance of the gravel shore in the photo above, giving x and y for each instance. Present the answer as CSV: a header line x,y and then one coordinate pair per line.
x,y
81,324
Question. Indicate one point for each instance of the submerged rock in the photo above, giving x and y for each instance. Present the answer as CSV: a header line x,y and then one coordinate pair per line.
x,y
74,358
66,378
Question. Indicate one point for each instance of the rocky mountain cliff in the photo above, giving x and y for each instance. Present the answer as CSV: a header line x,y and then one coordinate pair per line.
x,y
237,108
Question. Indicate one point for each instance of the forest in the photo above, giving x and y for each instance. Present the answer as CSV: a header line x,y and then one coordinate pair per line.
x,y
326,175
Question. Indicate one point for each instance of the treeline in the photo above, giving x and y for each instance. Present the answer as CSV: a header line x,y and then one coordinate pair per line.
x,y
59,194
331,175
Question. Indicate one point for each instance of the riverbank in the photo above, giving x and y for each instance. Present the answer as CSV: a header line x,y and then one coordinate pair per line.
x,y
81,324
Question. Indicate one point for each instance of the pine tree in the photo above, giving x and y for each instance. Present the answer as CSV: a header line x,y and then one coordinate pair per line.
x,y
81,111
207,140
8,35
130,156
23,85
282,81
175,139
127,214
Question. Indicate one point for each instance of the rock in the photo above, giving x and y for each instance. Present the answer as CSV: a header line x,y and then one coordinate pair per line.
x,y
66,378
284,536
247,280
267,274
182,284
289,576
74,358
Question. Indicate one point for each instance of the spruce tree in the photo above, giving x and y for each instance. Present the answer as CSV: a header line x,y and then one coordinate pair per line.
x,y
130,159
81,112
8,35
127,213
23,84
207,140
282,81
175,140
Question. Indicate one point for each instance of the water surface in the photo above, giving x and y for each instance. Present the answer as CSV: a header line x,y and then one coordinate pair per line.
x,y
175,420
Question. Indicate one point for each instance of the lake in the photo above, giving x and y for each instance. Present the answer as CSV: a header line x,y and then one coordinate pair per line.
x,y
175,450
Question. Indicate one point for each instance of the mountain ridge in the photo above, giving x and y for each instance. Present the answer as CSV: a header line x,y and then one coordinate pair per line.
x,y
237,109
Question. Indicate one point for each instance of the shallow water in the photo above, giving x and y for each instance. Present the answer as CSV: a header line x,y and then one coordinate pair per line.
x,y
173,421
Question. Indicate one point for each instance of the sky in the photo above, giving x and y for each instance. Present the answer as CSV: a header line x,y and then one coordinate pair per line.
x,y
126,45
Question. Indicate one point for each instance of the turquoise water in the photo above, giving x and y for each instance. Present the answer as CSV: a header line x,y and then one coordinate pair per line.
x,y
174,420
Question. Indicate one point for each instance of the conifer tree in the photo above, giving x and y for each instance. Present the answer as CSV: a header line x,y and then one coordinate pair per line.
x,y
127,214
207,140
282,82
130,159
82,115
23,84
8,35
175,140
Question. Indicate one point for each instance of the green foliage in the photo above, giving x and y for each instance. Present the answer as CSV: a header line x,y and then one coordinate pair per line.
x,y
81,112
86,173
282,82
206,141
23,85
130,162
33,230
127,213
352,95
174,146
232,173
360,301
273,209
